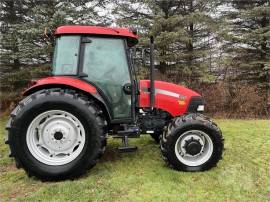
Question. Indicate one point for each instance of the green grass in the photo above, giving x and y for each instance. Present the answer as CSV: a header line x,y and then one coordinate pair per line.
x,y
242,175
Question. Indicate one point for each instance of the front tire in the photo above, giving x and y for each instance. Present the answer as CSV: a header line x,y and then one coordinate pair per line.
x,y
56,134
192,143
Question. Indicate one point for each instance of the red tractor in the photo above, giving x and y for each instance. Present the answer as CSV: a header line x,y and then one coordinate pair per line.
x,y
59,130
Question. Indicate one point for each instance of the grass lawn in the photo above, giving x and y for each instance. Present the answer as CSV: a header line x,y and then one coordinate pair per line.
x,y
242,175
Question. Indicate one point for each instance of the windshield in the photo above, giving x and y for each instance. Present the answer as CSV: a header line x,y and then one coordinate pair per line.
x,y
66,55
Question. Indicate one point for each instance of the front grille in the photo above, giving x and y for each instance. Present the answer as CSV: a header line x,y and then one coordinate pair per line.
x,y
194,103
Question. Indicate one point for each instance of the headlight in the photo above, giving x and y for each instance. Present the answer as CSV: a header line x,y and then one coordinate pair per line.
x,y
200,108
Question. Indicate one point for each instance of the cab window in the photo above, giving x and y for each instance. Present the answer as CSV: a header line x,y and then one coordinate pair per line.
x,y
66,55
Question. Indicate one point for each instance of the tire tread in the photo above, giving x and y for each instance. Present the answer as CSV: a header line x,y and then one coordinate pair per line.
x,y
87,101
179,122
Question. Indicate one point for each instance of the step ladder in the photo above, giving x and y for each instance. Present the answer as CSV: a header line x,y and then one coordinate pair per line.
x,y
128,132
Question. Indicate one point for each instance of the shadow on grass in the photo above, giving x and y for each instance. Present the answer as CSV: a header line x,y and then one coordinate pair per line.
x,y
112,154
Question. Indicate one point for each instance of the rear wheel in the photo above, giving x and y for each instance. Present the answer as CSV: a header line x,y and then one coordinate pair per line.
x,y
192,143
55,137
56,134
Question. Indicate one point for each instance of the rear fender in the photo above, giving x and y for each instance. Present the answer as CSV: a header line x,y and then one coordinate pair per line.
x,y
71,83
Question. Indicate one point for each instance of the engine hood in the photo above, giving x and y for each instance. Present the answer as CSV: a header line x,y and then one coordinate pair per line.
x,y
168,96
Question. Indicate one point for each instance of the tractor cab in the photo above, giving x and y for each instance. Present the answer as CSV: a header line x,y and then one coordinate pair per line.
x,y
99,56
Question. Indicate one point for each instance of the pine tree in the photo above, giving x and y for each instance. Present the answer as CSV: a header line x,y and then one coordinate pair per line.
x,y
25,50
51,14
248,41
185,32
13,15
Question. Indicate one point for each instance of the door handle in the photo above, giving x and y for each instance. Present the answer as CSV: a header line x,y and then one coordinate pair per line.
x,y
127,88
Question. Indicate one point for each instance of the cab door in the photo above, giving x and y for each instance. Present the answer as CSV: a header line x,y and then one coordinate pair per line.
x,y
106,65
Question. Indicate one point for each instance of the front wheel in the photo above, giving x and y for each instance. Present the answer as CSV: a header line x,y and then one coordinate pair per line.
x,y
192,143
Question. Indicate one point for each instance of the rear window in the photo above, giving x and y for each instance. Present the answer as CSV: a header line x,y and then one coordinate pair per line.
x,y
66,55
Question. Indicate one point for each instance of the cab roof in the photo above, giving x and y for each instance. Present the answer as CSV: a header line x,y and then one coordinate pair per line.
x,y
132,38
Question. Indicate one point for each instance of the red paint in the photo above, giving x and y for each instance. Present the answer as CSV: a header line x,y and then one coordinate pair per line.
x,y
95,30
62,80
166,102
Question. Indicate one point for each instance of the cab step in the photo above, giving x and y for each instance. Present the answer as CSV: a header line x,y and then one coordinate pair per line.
x,y
129,131
125,146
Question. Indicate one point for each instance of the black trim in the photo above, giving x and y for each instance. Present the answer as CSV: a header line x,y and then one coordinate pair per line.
x,y
133,85
81,58
122,121
86,40
194,102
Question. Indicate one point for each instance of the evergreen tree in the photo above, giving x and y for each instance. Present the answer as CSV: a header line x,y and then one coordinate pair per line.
x,y
185,32
12,15
51,14
248,41
23,43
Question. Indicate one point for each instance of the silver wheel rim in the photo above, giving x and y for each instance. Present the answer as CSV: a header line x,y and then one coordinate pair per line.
x,y
194,160
55,137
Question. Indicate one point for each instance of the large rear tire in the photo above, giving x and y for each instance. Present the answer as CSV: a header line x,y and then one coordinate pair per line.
x,y
192,143
56,134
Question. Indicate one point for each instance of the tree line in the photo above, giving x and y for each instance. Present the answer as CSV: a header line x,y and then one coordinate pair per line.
x,y
220,48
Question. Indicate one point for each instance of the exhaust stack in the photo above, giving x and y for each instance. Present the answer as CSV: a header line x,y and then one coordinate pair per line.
x,y
152,74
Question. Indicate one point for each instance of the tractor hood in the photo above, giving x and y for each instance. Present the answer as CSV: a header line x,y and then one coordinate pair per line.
x,y
172,98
